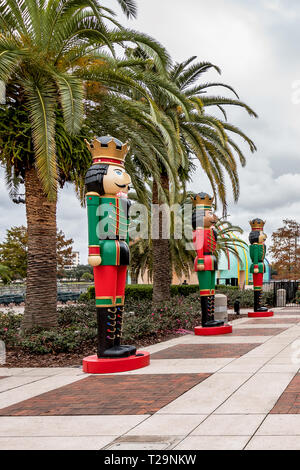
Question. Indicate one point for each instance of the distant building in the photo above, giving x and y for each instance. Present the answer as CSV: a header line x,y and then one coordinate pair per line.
x,y
75,261
231,270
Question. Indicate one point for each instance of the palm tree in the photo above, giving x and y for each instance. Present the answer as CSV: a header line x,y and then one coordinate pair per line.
x,y
6,274
202,136
181,254
44,44
228,242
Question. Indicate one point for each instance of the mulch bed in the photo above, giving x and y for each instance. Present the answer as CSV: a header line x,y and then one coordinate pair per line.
x,y
18,358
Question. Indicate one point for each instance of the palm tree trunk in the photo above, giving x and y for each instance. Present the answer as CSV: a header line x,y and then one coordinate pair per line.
x,y
133,278
162,272
41,283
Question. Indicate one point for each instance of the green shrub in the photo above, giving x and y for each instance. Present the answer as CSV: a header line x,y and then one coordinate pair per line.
x,y
138,291
246,297
226,287
10,324
72,339
184,290
144,291
77,326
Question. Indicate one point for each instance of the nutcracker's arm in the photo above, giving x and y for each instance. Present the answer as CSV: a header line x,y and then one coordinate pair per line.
x,y
198,240
255,258
128,221
92,203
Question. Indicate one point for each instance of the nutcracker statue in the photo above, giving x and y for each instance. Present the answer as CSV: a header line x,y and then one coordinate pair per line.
x,y
257,239
107,184
205,242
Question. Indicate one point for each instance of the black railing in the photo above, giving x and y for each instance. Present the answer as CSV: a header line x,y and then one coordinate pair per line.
x,y
292,289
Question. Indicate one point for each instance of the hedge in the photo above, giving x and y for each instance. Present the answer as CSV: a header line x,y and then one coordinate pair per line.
x,y
144,291
77,325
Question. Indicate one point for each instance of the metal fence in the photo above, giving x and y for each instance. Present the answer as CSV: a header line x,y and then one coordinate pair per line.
x,y
15,294
291,295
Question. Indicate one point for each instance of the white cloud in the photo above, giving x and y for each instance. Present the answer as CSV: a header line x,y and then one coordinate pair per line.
x,y
256,45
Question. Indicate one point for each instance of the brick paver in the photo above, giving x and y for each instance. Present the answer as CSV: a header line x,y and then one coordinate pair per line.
x,y
295,310
108,395
272,321
256,331
197,351
289,401
289,312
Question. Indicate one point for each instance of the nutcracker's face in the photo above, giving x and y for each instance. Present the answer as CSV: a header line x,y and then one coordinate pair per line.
x,y
209,219
116,180
262,237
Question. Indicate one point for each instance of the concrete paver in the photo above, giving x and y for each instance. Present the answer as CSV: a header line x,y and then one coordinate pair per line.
x,y
230,409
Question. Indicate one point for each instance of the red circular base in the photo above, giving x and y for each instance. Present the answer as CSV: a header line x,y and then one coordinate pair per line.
x,y
260,314
214,330
94,365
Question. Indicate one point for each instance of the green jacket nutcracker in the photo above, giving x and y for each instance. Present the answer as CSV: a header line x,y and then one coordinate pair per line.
x,y
257,250
107,184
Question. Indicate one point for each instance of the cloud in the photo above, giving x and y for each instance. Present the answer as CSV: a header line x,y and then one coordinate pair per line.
x,y
255,42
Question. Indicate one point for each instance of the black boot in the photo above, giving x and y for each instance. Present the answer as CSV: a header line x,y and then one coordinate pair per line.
x,y
210,319
257,302
119,321
204,310
106,319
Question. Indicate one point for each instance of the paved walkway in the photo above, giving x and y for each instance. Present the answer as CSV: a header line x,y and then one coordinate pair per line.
x,y
239,391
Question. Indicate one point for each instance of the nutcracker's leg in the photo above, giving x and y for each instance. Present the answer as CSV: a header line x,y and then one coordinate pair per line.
x,y
258,301
211,304
106,322
204,309
105,292
208,301
120,297
257,282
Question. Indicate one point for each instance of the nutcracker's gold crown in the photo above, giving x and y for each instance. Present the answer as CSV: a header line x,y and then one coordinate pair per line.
x,y
203,201
257,224
108,149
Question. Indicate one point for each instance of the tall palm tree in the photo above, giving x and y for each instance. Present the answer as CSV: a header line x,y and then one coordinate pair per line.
x,y
203,136
182,259
44,44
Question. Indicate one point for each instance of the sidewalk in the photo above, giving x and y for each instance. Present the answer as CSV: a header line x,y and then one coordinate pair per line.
x,y
237,391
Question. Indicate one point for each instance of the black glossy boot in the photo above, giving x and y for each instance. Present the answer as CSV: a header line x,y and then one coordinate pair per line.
x,y
119,321
210,322
106,320
204,310
257,302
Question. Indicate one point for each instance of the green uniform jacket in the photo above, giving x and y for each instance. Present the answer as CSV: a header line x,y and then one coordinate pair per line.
x,y
257,254
108,220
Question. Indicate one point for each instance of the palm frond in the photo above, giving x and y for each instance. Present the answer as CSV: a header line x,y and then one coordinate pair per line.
x,y
41,100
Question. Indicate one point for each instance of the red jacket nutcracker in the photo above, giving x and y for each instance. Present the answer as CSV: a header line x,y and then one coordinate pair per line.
x,y
205,243
107,184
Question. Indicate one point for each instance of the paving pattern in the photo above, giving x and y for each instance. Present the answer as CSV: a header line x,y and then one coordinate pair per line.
x,y
289,402
108,395
238,391
254,332
197,351
271,321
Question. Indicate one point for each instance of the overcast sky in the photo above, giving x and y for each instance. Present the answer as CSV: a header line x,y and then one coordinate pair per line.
x,y
256,45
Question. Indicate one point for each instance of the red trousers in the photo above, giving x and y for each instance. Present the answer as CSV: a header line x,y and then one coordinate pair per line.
x,y
110,284
258,279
